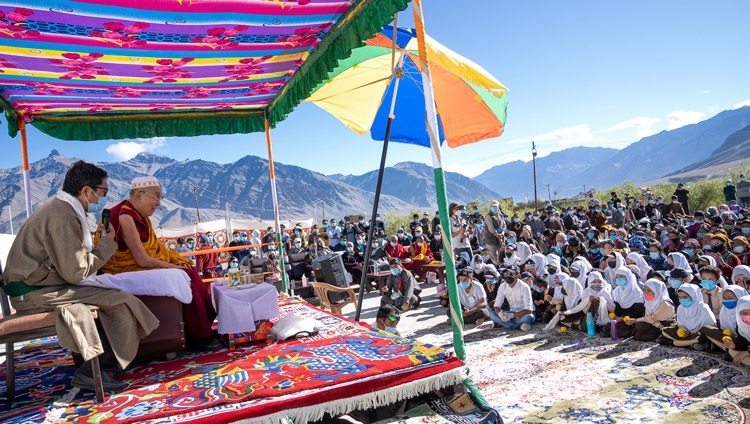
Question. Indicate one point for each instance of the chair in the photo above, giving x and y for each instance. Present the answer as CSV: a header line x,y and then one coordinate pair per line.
x,y
19,328
322,290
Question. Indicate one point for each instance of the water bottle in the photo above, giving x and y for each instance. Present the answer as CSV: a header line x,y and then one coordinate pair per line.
x,y
304,280
613,331
590,324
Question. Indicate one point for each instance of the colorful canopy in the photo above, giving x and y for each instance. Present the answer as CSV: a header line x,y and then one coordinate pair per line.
x,y
471,103
144,68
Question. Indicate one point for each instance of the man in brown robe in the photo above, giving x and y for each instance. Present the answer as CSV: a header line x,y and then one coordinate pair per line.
x,y
53,251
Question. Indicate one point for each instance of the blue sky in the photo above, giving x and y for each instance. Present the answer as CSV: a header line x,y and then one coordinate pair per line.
x,y
583,73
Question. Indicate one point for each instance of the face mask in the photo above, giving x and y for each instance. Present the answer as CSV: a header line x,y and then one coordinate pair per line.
x,y
675,283
464,284
271,257
236,239
718,247
493,209
416,220
490,281
746,319
581,214
99,205
210,238
395,271
350,249
361,221
478,267
234,265
700,235
374,245
648,238
739,249
391,330
746,231
511,240
590,236
538,290
417,234
611,264
419,244
437,215
707,247
574,273
729,304
613,238
595,250
560,244
393,243
622,282
653,255
619,209
649,297
297,245
596,287
191,245
708,284
519,220
597,210
551,271
689,252
510,279
686,302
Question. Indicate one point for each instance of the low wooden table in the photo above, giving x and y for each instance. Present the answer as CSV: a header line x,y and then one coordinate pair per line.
x,y
379,278
438,269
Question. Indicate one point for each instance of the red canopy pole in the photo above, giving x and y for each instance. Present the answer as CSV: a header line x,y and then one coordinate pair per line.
x,y
25,166
272,173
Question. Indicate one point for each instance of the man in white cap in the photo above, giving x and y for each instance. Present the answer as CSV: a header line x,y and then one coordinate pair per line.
x,y
139,249
495,224
52,253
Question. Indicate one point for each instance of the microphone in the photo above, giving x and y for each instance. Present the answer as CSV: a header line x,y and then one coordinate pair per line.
x,y
105,219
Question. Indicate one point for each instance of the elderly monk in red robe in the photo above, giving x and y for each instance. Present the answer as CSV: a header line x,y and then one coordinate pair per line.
x,y
420,255
138,249
395,250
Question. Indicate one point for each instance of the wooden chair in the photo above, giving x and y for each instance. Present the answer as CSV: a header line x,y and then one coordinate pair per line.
x,y
322,290
19,328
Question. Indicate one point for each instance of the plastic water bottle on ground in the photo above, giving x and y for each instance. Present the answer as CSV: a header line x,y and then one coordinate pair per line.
x,y
613,331
591,330
304,281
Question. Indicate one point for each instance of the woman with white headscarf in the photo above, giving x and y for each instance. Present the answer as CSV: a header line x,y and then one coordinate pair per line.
x,y
571,291
612,262
659,312
692,315
644,270
741,276
739,345
727,316
629,302
523,251
540,264
595,298
580,269
678,260
555,278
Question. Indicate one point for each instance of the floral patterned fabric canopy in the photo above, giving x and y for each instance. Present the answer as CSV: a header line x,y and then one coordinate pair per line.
x,y
104,69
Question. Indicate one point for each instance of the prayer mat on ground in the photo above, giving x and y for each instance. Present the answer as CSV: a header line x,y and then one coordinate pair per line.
x,y
542,377
344,367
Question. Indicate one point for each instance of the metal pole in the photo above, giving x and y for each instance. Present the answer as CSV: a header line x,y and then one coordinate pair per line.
x,y
195,196
397,75
25,166
272,173
533,155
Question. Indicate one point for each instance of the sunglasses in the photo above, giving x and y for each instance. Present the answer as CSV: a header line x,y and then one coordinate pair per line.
x,y
392,318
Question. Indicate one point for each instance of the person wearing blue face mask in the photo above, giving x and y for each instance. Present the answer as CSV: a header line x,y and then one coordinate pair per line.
x,y
727,318
387,319
656,258
401,288
491,283
709,287
629,302
692,315
472,297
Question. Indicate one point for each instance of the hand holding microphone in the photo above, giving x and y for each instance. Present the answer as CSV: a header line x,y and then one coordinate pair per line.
x,y
107,232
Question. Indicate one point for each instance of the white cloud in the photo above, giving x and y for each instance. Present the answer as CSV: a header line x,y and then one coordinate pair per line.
x,y
742,104
644,126
126,150
564,137
680,118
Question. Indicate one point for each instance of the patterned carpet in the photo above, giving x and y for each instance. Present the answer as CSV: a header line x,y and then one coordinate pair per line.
x,y
566,377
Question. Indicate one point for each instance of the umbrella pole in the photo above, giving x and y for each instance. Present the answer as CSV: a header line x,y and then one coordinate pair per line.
x,y
397,75
25,166
272,173
457,320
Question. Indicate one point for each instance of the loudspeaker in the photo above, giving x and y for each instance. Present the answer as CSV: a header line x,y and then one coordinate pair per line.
x,y
330,269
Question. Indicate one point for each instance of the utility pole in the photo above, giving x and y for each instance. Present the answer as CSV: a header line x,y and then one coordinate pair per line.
x,y
195,196
533,155
549,196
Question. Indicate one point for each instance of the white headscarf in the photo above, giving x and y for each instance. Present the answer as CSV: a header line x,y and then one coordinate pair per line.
x,y
88,242
643,267
540,264
606,291
742,328
661,295
727,317
524,251
680,261
741,270
629,294
698,314
609,273
583,266
572,289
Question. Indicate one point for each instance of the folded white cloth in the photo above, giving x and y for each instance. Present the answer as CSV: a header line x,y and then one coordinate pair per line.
x,y
170,282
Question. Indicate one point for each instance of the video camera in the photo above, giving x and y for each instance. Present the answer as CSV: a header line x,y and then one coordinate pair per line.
x,y
628,199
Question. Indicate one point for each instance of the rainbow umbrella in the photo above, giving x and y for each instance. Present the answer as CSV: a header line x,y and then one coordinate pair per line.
x,y
471,103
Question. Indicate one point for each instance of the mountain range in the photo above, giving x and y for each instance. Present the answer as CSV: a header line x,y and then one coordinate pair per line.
x,y
241,189
666,156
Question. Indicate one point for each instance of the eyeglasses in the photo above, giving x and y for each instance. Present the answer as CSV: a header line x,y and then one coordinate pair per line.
x,y
158,197
106,189
392,318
